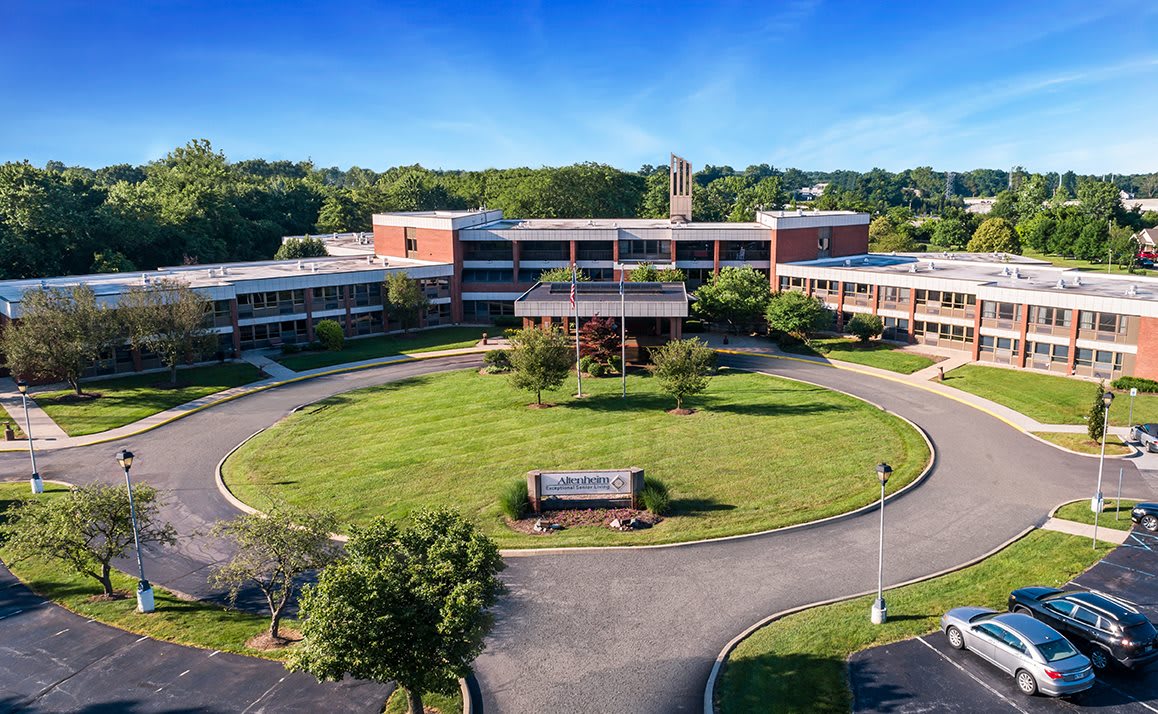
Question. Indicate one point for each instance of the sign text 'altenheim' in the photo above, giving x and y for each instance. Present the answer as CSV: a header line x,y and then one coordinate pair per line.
x,y
585,483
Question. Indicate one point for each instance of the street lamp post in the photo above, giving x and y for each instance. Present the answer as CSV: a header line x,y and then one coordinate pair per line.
x,y
36,481
144,590
880,611
1096,501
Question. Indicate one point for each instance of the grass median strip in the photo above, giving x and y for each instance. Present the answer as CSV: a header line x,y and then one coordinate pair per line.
x,y
800,663
186,622
1079,512
1049,399
882,355
124,400
1083,444
441,703
443,338
458,439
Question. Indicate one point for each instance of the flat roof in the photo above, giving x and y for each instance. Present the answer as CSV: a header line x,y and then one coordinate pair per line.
x,y
602,298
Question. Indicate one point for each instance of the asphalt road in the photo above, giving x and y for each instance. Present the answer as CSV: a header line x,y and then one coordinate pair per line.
x,y
614,630
925,674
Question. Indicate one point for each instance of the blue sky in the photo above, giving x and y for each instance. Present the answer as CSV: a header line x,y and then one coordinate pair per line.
x,y
816,84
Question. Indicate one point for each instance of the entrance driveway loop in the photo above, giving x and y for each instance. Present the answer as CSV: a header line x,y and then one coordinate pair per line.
x,y
926,675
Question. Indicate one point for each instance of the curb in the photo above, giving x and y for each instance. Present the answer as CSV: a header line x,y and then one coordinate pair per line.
x,y
1134,452
721,658
529,552
403,359
1058,507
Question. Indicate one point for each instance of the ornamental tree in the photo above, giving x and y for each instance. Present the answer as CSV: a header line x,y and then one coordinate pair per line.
x,y
408,606
648,273
301,248
797,314
87,528
735,295
273,549
600,338
167,317
995,235
1096,417
540,359
404,299
62,333
865,327
562,275
683,368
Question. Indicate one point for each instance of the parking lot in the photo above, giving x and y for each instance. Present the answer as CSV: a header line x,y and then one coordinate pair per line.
x,y
926,675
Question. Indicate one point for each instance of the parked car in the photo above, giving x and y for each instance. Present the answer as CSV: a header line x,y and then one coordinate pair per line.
x,y
1036,655
1146,515
1146,435
1109,630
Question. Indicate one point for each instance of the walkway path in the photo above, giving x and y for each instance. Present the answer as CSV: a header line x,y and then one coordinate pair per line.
x,y
610,630
13,403
1110,535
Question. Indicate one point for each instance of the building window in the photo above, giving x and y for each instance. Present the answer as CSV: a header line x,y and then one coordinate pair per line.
x,y
1000,310
1052,316
891,294
857,289
1103,322
487,275
788,282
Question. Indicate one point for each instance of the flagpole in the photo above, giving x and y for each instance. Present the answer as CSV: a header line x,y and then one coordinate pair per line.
x,y
622,336
575,305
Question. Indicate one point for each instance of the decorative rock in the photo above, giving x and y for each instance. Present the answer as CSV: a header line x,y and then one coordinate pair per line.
x,y
539,527
638,524
555,527
615,525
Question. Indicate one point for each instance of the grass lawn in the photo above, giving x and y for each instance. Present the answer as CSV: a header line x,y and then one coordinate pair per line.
x,y
759,453
443,338
883,355
1084,444
124,400
1080,511
1085,264
1050,399
442,703
185,622
800,663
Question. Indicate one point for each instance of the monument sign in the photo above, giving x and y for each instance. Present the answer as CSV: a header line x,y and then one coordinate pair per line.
x,y
566,489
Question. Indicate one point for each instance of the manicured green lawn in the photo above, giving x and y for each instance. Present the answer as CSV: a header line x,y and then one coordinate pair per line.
x,y
124,400
443,338
800,663
883,355
1084,264
443,703
1080,511
759,453
185,622
1082,443
1048,398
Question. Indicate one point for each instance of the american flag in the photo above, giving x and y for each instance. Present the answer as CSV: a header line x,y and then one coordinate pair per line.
x,y
572,289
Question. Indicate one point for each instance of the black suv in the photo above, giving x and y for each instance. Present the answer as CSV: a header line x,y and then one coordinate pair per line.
x,y
1146,515
1108,629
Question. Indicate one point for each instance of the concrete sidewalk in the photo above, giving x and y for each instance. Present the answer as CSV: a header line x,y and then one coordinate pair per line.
x,y
1110,535
43,427
55,437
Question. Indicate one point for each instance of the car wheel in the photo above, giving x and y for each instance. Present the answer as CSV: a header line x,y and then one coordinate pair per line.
x,y
1099,659
1149,522
1026,683
956,639
1021,609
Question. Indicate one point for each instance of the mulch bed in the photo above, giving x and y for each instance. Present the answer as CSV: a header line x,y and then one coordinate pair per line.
x,y
117,595
288,636
578,518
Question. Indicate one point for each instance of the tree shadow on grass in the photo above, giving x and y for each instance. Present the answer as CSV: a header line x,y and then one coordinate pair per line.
x,y
698,506
796,682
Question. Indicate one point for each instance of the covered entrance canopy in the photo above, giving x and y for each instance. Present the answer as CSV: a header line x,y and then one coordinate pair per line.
x,y
652,312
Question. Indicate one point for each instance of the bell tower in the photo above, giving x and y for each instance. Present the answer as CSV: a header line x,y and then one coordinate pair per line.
x,y
680,190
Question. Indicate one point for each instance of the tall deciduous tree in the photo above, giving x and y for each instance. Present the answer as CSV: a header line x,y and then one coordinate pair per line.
x,y
995,235
273,550
169,318
797,314
404,298
61,333
648,273
683,368
409,606
737,296
540,359
301,248
562,275
87,528
599,337
1096,417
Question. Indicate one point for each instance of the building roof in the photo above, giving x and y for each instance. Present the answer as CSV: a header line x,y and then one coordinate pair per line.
x,y
338,244
991,277
639,300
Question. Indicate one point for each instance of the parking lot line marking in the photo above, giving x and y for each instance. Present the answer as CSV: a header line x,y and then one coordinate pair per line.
x,y
58,634
1130,696
143,637
969,674
14,612
184,673
1132,570
214,653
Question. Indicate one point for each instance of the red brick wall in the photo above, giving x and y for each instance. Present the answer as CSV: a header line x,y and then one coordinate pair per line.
x,y
433,244
793,245
1146,362
849,240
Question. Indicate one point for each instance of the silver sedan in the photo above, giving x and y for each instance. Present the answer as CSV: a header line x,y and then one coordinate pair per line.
x,y
1035,654
1146,435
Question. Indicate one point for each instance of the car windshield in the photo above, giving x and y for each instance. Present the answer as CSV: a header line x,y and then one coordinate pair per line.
x,y
1055,650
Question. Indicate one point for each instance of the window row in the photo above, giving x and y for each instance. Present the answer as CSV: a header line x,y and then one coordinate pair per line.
x,y
1000,310
989,343
1103,322
952,333
948,300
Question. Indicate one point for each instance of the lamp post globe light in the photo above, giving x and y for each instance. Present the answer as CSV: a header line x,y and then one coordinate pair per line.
x,y
880,611
145,601
36,481
1096,501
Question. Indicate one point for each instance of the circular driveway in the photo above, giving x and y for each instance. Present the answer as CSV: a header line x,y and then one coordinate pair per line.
x,y
638,629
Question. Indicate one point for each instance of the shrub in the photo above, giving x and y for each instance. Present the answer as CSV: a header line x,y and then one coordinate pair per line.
x,y
513,500
615,363
290,348
497,361
585,363
330,335
865,327
314,346
692,327
655,496
597,370
1096,418
1139,383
